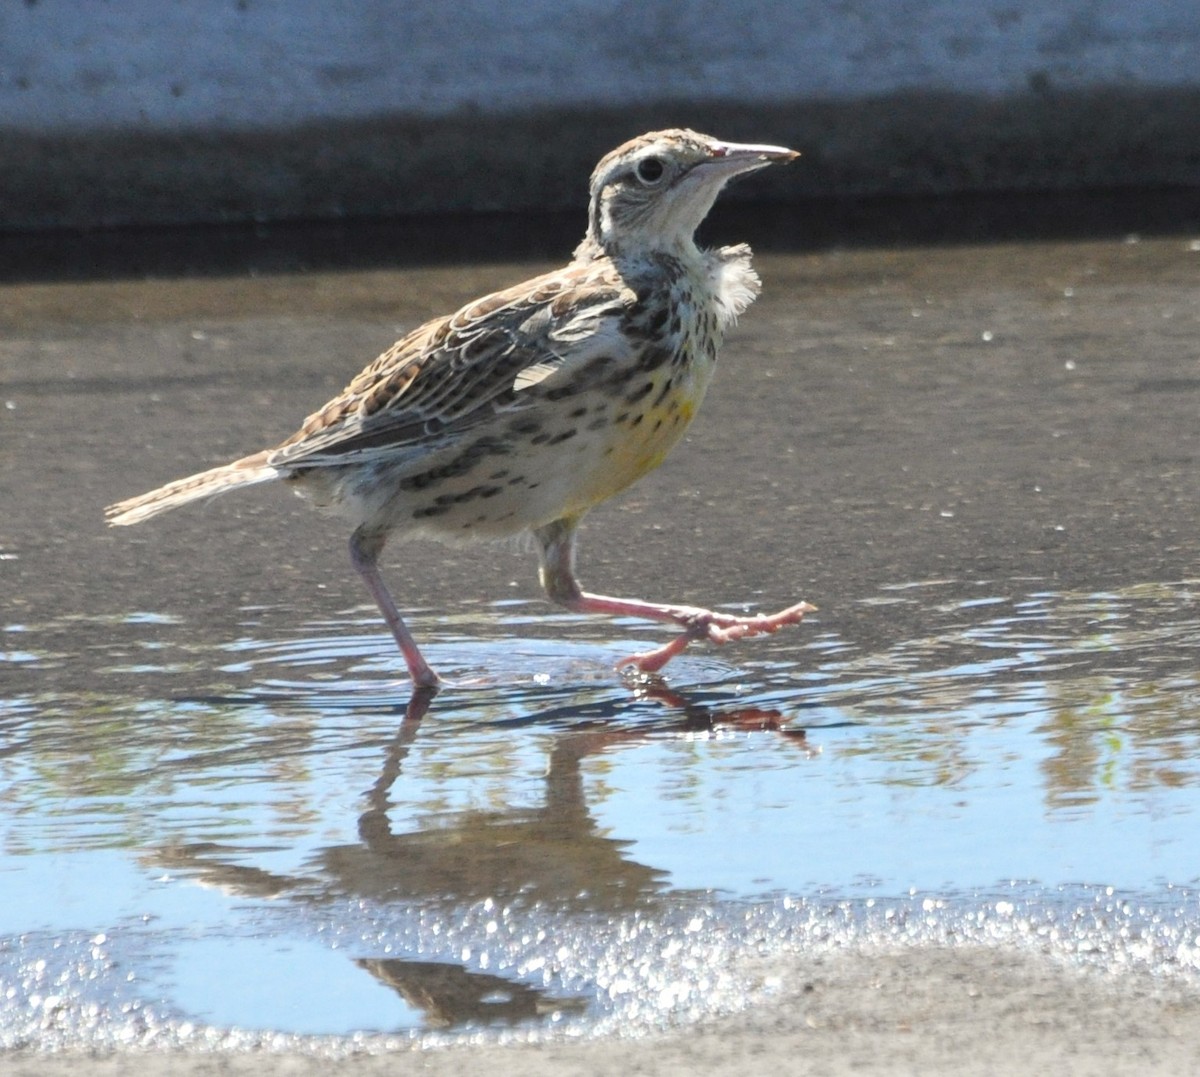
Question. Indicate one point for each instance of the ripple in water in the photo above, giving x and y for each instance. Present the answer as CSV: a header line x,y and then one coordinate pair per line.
x,y
556,850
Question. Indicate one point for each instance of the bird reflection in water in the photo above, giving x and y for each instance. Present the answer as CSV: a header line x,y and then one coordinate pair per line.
x,y
550,855
551,852
451,996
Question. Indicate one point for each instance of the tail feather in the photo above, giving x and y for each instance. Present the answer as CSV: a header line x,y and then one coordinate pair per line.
x,y
245,472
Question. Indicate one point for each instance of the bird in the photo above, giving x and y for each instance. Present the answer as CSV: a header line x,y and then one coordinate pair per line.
x,y
523,410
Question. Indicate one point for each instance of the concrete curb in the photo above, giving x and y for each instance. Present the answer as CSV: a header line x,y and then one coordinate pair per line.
x,y
919,142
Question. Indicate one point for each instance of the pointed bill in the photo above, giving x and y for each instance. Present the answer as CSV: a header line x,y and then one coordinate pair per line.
x,y
731,158
748,150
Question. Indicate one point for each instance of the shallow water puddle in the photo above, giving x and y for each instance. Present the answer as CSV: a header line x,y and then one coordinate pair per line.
x,y
247,844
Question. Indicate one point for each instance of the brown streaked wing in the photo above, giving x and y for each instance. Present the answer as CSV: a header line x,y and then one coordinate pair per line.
x,y
452,373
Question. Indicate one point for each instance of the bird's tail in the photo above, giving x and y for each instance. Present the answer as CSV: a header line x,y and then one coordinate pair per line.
x,y
245,472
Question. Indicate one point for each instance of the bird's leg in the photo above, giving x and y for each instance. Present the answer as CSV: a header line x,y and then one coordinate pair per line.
x,y
557,574
364,555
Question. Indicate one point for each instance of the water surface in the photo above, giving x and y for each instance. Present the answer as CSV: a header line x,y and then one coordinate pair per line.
x,y
219,829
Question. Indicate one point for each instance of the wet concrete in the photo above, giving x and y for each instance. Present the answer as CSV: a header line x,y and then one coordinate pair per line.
x,y
984,411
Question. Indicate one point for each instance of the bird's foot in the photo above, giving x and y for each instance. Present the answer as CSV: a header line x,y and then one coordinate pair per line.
x,y
718,628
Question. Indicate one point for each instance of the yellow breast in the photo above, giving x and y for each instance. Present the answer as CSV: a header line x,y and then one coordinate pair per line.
x,y
638,436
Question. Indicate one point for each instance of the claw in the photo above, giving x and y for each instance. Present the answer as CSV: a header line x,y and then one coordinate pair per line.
x,y
653,661
717,628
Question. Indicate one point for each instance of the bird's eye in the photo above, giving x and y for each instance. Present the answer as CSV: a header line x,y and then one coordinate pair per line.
x,y
650,170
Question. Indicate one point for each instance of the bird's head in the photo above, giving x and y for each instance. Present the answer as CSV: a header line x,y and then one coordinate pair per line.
x,y
653,192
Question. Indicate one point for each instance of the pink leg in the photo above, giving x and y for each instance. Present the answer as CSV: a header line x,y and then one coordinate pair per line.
x,y
364,554
558,578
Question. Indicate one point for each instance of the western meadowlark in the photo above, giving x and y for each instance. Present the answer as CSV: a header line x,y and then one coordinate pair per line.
x,y
527,407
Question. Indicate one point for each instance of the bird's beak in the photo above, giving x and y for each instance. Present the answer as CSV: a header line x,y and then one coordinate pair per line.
x,y
730,158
